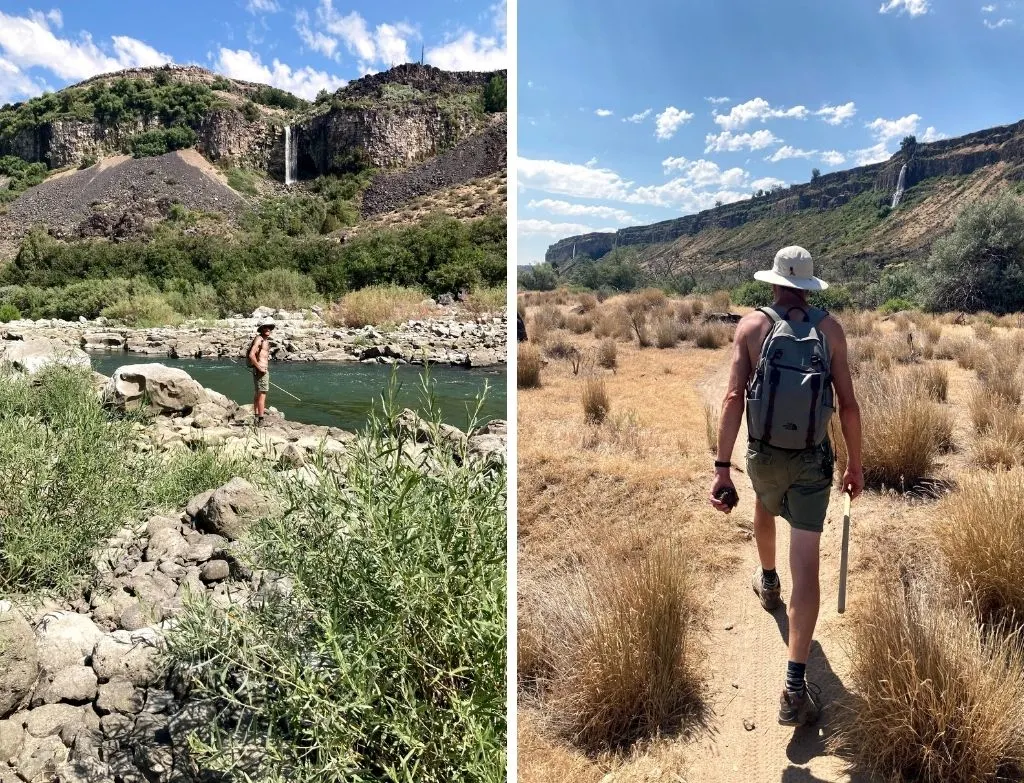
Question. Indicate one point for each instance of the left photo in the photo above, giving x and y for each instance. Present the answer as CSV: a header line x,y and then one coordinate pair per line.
x,y
253,419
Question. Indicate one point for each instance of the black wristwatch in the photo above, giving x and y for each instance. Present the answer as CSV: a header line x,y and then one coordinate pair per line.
x,y
722,464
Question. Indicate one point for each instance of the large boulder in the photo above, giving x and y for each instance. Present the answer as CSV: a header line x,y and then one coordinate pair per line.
x,y
31,356
230,509
165,389
65,639
18,662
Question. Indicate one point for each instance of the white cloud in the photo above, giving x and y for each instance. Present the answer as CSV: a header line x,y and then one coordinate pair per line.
x,y
837,115
351,29
638,117
534,227
572,179
29,42
15,85
931,134
912,7
786,152
392,46
833,158
473,51
681,194
885,131
767,183
604,112
876,154
987,9
756,109
717,101
996,25
56,17
558,207
669,121
727,141
305,82
314,39
705,173
262,7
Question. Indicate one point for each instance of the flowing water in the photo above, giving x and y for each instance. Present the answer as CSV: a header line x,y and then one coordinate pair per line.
x,y
338,394
289,156
899,187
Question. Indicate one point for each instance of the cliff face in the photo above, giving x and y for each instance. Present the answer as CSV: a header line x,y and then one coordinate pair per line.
x,y
999,148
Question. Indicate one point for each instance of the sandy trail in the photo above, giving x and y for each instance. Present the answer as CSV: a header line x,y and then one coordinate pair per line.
x,y
747,659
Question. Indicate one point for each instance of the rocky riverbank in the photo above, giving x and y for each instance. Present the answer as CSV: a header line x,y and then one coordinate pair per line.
x,y
84,691
447,340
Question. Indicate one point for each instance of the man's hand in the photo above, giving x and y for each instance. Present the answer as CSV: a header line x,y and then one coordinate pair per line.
x,y
722,480
853,482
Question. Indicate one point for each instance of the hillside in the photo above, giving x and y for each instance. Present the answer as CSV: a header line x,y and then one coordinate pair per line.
x,y
843,218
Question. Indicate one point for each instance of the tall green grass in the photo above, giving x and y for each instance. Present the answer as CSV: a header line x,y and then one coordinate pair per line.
x,y
386,660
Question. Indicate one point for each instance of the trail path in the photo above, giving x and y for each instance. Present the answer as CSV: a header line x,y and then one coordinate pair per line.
x,y
747,659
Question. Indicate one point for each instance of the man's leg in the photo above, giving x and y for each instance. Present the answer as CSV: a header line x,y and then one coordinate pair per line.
x,y
764,536
260,405
806,596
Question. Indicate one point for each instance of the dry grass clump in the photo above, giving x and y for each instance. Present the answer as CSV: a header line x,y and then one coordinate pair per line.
x,y
937,699
932,332
858,323
986,408
711,416
596,402
901,322
579,324
967,353
903,433
666,332
586,303
560,348
528,364
710,335
1000,427
622,652
641,308
611,321
998,375
379,306
981,534
688,309
607,354
983,330
720,302
931,379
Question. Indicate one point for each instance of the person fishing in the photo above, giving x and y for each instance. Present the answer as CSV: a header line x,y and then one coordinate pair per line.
x,y
258,358
789,367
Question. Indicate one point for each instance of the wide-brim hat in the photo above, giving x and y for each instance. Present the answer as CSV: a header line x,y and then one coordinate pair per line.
x,y
266,322
793,268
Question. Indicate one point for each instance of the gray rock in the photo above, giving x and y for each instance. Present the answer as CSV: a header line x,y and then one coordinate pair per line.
x,y
41,757
115,724
76,684
232,508
135,617
12,737
157,523
65,639
119,695
107,609
132,656
83,769
197,503
31,356
172,570
166,544
51,718
205,548
167,389
215,571
192,585
18,661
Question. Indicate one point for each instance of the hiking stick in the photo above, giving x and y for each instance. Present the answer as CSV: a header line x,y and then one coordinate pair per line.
x,y
844,554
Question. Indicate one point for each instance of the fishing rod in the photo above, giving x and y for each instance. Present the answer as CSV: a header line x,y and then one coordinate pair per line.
x,y
235,361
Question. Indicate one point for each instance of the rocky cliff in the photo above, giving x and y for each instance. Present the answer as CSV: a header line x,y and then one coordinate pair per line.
x,y
821,214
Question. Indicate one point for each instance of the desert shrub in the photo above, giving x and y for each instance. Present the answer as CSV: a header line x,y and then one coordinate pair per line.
x,y
243,181
858,323
624,657
607,354
561,349
587,303
640,307
9,312
579,324
358,672
720,302
494,94
903,434
687,310
981,534
528,364
161,140
666,332
611,321
936,698
932,380
998,374
896,305
999,443
377,306
752,293
486,299
711,335
596,403
192,299
932,332
982,330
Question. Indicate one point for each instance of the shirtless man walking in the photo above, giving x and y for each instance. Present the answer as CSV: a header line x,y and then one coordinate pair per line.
x,y
259,360
789,367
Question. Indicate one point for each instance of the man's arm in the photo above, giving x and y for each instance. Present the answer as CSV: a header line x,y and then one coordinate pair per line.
x,y
849,411
254,355
732,410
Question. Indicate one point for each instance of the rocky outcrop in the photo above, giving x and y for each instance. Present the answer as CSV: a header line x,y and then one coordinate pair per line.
x,y
34,354
225,135
951,157
162,389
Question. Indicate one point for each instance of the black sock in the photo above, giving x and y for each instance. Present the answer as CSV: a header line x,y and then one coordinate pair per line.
x,y
795,683
769,577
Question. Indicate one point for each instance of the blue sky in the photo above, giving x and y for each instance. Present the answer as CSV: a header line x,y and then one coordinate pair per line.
x,y
300,46
635,112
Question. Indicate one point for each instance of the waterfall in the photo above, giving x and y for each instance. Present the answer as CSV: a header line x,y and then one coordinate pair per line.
x,y
290,156
899,187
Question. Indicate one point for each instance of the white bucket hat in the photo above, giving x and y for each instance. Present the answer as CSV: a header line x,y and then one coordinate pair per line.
x,y
793,268
268,321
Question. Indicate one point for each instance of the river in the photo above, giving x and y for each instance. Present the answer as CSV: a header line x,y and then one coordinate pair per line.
x,y
338,394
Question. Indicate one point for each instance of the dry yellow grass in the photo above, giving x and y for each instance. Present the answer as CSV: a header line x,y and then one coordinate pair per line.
x,y
596,403
607,354
379,306
528,365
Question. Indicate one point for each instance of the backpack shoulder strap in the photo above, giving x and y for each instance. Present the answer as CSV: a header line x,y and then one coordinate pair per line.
x,y
816,315
772,314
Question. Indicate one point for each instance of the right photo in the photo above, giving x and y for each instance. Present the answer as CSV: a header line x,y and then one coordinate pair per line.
x,y
770,435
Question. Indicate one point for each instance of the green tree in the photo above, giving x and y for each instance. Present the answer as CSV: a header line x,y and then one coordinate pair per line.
x,y
815,173
538,277
495,98
908,145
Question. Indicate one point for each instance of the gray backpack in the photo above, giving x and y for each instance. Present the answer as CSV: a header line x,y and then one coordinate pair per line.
x,y
790,398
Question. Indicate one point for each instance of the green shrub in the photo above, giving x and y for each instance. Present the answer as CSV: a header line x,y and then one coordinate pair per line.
x,y
243,181
9,312
162,140
386,659
752,293
250,111
896,304
273,96
284,289
495,94
144,310
220,83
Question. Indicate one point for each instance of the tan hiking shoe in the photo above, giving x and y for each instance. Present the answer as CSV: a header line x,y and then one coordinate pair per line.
x,y
799,710
768,596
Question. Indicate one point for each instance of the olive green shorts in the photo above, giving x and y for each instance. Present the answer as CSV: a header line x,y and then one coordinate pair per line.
x,y
793,484
261,380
